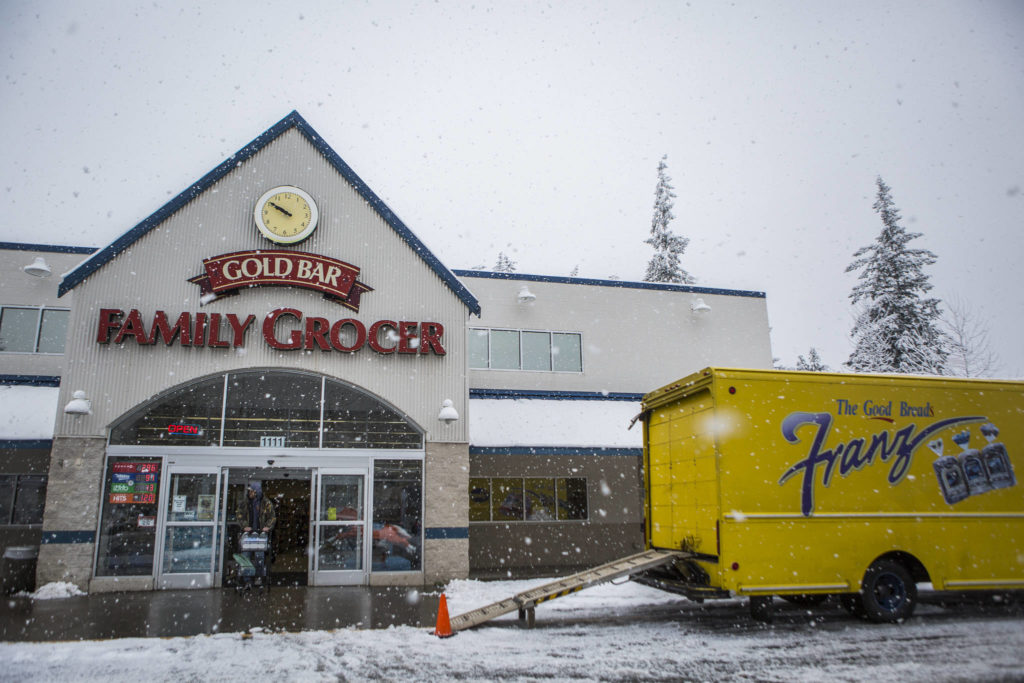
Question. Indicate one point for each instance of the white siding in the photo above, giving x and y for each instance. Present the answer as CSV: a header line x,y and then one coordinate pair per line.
x,y
152,275
634,340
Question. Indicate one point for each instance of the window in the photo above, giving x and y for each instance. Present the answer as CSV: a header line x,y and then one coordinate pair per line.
x,y
22,497
397,515
127,537
530,350
33,330
533,499
265,408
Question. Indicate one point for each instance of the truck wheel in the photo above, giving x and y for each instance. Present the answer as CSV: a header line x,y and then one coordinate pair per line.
x,y
888,592
761,608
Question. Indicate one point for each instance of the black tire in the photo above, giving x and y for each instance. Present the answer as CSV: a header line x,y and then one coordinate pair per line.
x,y
761,608
888,592
806,599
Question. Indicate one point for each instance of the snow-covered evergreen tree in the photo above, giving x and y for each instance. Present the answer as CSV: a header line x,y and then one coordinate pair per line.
x,y
812,363
897,326
664,265
504,264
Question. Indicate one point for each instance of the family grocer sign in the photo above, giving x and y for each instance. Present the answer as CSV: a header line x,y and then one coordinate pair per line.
x,y
282,329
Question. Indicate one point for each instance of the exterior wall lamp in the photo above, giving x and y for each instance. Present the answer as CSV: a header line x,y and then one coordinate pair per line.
x,y
39,267
448,413
699,307
526,296
79,404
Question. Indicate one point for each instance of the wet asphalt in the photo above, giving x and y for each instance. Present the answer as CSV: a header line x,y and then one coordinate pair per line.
x,y
146,614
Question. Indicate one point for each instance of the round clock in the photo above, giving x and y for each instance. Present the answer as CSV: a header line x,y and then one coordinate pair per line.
x,y
286,215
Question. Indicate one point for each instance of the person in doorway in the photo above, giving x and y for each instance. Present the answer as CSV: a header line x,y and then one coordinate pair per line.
x,y
256,513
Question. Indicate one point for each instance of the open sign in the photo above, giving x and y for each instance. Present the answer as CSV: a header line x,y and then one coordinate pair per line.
x,y
184,430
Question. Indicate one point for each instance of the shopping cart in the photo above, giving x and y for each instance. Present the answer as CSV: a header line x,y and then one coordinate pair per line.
x,y
253,569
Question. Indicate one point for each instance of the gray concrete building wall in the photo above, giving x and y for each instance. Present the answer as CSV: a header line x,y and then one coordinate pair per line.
x,y
524,548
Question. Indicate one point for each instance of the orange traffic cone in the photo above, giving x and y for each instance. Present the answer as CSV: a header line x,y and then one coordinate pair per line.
x,y
444,627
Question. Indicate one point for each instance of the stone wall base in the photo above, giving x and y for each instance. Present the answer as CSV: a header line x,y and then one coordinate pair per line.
x,y
445,560
71,562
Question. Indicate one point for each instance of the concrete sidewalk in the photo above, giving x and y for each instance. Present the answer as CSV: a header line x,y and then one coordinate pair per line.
x,y
220,610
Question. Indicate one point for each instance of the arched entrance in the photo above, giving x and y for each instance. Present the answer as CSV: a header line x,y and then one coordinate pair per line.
x,y
343,468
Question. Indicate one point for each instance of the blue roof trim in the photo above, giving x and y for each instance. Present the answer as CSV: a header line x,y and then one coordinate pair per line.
x,y
554,395
30,380
293,120
50,537
25,444
486,274
50,248
441,533
554,450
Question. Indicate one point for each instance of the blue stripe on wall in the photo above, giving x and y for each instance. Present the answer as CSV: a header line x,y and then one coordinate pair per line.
x,y
48,248
19,444
607,283
445,532
554,450
51,537
554,395
30,380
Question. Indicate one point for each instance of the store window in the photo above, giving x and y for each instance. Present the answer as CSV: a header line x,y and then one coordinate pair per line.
x,y
22,497
397,515
271,409
188,416
131,487
353,419
272,405
531,499
530,350
33,330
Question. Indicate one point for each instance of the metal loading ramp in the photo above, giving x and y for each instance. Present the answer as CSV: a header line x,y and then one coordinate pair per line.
x,y
526,601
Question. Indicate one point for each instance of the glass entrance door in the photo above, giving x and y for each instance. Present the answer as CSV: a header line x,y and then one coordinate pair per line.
x,y
341,554
191,507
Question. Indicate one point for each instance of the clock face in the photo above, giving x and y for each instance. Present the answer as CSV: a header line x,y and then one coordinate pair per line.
x,y
286,215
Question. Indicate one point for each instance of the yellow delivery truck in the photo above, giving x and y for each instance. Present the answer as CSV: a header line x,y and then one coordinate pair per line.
x,y
802,485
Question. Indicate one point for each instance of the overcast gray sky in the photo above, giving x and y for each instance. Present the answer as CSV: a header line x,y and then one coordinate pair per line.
x,y
536,129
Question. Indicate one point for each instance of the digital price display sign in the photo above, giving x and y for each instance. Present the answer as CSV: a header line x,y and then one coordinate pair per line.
x,y
133,483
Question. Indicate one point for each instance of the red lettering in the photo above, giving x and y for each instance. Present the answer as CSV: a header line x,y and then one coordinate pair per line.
x,y
109,320
133,327
374,337
239,329
199,336
430,338
167,333
316,328
406,335
294,340
336,335
215,341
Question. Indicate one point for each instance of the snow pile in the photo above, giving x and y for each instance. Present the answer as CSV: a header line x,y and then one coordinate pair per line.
x,y
56,591
538,422
27,412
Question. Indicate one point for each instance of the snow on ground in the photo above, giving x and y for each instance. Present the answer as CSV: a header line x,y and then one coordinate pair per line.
x,y
612,632
56,590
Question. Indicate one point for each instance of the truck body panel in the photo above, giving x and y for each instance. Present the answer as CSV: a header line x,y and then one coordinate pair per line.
x,y
794,482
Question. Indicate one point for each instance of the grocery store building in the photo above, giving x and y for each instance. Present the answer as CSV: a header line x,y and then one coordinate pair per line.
x,y
277,321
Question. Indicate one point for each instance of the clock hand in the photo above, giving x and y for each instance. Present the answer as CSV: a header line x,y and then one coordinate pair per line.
x,y
282,210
